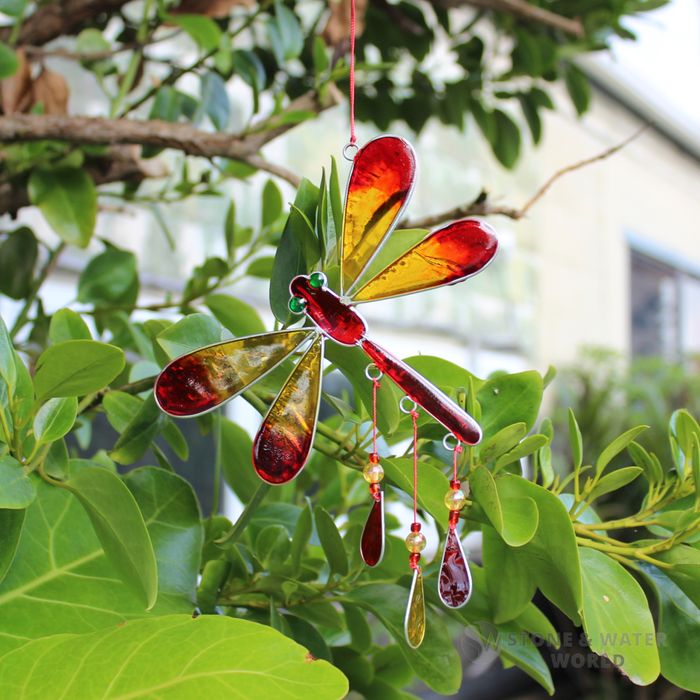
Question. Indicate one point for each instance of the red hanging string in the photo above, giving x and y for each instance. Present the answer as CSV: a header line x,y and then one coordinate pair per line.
x,y
455,458
353,136
414,417
375,388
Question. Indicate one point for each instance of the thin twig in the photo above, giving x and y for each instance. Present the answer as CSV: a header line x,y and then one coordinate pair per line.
x,y
481,207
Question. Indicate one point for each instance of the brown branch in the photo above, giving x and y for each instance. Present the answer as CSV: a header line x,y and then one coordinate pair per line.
x,y
524,10
481,207
183,137
278,170
61,18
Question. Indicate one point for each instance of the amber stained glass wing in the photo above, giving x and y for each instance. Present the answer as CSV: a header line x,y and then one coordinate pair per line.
x,y
282,445
380,186
447,256
204,379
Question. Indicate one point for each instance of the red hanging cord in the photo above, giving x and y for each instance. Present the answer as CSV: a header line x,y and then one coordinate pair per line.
x,y
353,27
455,458
414,417
375,388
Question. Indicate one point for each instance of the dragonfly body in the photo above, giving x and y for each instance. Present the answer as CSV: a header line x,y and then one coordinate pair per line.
x,y
342,323
380,186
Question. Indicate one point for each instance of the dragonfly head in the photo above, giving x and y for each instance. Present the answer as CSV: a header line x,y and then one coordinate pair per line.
x,y
326,309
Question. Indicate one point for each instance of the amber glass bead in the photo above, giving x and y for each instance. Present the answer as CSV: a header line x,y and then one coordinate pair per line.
x,y
373,473
455,499
415,542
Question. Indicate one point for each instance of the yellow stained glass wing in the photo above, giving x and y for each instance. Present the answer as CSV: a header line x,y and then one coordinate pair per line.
x,y
282,445
206,378
380,186
414,622
446,256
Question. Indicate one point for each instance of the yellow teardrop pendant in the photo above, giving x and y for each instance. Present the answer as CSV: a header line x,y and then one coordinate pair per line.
x,y
414,622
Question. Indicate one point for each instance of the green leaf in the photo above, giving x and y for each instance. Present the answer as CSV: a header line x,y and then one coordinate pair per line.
x,y
176,656
120,527
66,324
528,446
18,256
109,278
677,625
262,267
8,370
436,661
16,489
320,56
684,570
578,88
503,441
614,481
575,440
360,631
553,561
61,581
55,419
506,144
271,204
301,537
331,541
235,315
616,446
615,613
214,101
285,32
8,61
508,399
68,200
202,30
11,521
188,334
237,460
77,367
138,434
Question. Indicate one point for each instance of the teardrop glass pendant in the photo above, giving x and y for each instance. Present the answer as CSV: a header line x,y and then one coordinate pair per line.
x,y
455,581
414,622
372,542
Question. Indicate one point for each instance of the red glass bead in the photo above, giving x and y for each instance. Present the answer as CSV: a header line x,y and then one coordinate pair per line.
x,y
454,518
435,402
455,581
374,458
415,527
413,559
372,542
374,489
325,308
454,484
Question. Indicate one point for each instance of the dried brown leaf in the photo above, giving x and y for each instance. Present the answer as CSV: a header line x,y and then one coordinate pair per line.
x,y
16,91
337,29
210,8
50,90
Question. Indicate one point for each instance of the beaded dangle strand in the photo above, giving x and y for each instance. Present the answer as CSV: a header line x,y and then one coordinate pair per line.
x,y
455,580
372,542
414,621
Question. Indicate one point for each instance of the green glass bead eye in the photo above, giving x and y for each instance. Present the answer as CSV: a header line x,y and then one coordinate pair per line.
x,y
317,280
297,305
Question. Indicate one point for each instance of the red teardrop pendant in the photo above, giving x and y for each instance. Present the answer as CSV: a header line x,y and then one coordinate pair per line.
x,y
455,582
372,543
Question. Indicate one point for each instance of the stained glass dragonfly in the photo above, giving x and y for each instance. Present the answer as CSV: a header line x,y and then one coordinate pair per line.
x,y
380,185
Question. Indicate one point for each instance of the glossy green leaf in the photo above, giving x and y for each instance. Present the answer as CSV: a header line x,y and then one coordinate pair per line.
x,y
237,460
642,458
138,434
18,257
578,88
510,398
360,631
331,541
66,324
120,527
68,201
301,537
76,367
55,418
271,203
173,656
235,315
528,446
109,278
188,334
16,489
617,446
616,617
8,371
503,441
436,661
614,481
202,30
685,569
575,440
11,521
214,101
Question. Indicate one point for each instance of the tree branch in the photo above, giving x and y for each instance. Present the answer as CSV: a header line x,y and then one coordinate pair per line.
x,y
60,18
524,10
481,207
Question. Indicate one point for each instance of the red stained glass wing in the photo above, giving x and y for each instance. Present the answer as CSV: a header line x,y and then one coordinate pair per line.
x,y
380,185
372,542
447,256
204,379
283,442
